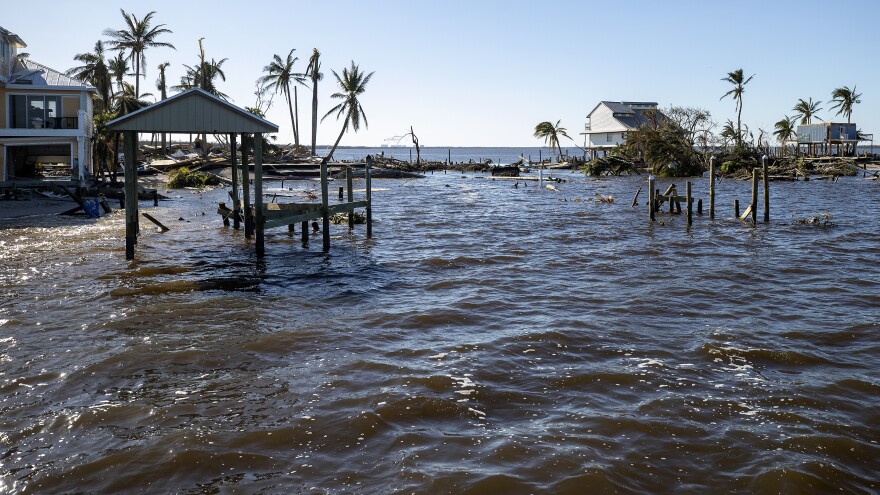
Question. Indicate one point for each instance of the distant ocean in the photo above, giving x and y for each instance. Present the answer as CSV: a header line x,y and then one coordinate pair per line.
x,y
502,155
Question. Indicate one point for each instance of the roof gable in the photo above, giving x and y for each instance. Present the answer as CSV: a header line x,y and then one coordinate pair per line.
x,y
194,110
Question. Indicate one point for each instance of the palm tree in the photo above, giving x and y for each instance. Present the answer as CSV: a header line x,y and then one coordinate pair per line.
x,y
314,72
162,86
203,75
844,99
118,69
785,130
279,76
126,100
135,40
94,71
739,82
807,110
550,133
352,84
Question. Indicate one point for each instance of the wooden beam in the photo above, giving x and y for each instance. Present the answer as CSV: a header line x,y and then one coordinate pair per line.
x,y
324,204
246,188
348,183
131,197
369,194
258,193
236,183
712,188
158,223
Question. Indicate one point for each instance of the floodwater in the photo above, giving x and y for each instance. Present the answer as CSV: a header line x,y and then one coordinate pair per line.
x,y
488,339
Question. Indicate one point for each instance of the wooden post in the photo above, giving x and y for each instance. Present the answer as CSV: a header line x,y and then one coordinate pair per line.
x,y
348,183
369,197
690,201
325,204
540,168
699,207
131,197
259,221
754,204
651,197
671,196
712,187
236,203
305,232
246,188
766,188
736,208
155,197
341,191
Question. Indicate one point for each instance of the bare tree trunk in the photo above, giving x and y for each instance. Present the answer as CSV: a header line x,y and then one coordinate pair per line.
x,y
415,141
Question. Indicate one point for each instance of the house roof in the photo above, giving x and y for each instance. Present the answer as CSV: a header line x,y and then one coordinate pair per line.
x,y
13,38
194,110
627,116
618,107
36,74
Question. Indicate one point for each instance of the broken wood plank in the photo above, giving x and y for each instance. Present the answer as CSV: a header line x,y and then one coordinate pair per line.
x,y
158,223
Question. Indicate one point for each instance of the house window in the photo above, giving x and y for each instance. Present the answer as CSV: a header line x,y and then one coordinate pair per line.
x,y
609,137
622,135
34,112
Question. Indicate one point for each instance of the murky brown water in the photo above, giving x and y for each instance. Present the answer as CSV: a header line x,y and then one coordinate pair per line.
x,y
489,339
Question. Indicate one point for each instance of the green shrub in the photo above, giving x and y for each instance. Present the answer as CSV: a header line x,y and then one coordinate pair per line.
x,y
184,177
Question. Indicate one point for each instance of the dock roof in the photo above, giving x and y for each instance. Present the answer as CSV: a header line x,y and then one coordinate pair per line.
x,y
194,111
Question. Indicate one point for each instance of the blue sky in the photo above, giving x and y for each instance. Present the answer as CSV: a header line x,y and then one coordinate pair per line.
x,y
483,73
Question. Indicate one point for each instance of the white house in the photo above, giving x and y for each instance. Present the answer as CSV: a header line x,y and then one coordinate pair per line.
x,y
45,118
610,121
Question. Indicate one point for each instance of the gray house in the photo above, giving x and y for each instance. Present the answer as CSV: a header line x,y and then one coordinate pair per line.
x,y
819,139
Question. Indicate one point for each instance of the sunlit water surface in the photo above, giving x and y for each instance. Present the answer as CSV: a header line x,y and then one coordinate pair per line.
x,y
488,339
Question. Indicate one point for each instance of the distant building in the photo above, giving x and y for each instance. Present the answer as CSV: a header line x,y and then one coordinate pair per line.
x,y
819,139
45,117
610,121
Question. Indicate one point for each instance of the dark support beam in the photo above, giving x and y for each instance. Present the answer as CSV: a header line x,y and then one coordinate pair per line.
x,y
131,196
236,202
369,187
259,221
712,188
348,183
246,188
324,205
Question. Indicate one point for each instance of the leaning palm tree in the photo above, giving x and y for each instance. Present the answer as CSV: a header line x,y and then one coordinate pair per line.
x,y
551,133
785,130
135,39
844,100
314,73
352,84
94,71
739,82
279,76
806,110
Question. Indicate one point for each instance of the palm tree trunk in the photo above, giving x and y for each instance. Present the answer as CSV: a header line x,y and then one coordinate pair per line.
x,y
137,75
290,108
314,114
739,132
333,149
296,112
